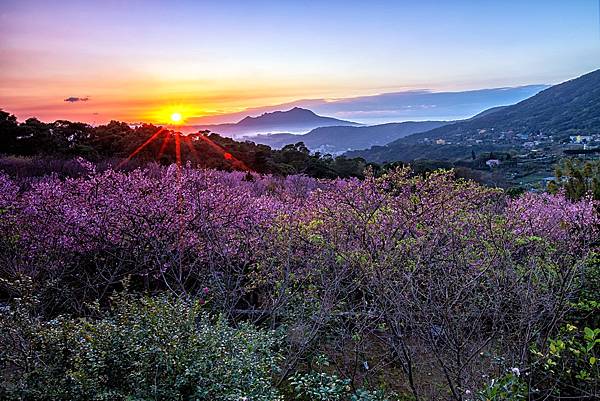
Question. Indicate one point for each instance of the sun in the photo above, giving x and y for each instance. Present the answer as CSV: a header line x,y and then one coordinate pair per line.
x,y
176,117
171,115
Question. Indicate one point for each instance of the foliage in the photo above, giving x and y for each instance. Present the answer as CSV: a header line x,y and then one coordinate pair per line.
x,y
509,387
575,352
578,179
585,310
420,281
319,385
567,366
564,366
146,348
117,140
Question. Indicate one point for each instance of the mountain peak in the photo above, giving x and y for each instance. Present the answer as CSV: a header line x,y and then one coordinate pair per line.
x,y
295,119
300,110
295,116
296,112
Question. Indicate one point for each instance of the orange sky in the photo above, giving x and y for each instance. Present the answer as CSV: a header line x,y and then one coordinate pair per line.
x,y
137,60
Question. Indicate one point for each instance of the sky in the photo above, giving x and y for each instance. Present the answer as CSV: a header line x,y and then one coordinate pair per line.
x,y
132,61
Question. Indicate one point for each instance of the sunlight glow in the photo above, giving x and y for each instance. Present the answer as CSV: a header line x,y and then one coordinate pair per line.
x,y
173,114
176,118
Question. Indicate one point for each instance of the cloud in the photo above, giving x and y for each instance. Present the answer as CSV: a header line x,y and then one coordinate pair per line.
x,y
410,105
73,99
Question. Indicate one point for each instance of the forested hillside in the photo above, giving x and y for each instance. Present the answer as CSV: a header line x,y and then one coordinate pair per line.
x,y
570,107
544,122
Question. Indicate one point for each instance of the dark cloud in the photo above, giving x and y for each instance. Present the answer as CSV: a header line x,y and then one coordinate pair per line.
x,y
73,99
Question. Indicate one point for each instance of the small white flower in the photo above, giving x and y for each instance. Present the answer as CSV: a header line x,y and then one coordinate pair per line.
x,y
468,392
516,371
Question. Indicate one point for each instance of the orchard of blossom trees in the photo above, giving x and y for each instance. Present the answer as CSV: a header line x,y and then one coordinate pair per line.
x,y
392,287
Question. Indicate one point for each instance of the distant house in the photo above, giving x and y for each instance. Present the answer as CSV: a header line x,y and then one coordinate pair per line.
x,y
440,142
580,138
544,182
492,163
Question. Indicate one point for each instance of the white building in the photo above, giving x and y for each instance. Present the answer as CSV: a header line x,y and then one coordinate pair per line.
x,y
492,163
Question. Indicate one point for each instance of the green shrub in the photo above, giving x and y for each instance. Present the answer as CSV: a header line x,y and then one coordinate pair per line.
x,y
570,366
510,387
144,349
323,386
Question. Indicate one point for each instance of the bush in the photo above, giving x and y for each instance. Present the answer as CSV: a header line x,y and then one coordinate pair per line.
x,y
322,386
146,348
510,387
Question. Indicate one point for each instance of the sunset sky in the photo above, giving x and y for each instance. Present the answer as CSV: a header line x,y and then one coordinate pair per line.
x,y
138,60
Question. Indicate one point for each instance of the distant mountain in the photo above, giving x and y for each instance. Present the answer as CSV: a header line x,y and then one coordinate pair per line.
x,y
293,120
339,139
563,109
572,106
409,105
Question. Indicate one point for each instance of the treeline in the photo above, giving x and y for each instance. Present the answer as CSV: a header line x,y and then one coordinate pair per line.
x,y
43,148
117,141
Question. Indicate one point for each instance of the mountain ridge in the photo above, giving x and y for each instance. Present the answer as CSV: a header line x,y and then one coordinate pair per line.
x,y
336,139
561,108
568,108
294,119
407,105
